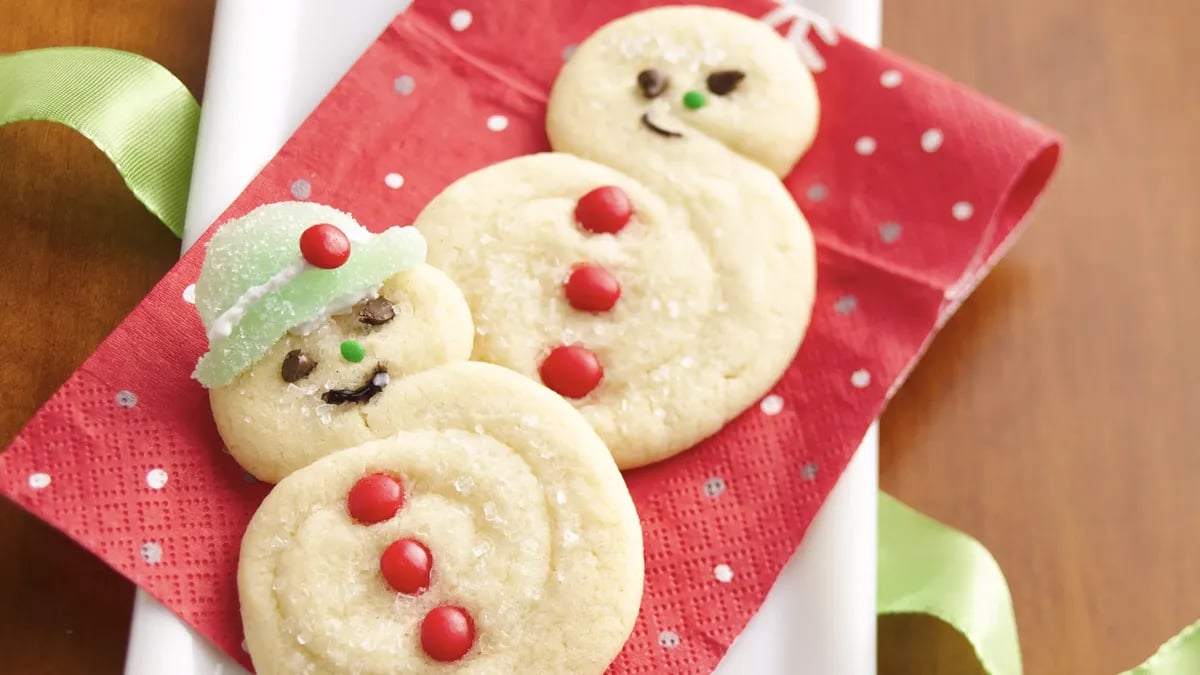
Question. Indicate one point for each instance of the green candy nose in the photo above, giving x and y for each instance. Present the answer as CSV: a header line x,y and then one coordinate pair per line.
x,y
694,100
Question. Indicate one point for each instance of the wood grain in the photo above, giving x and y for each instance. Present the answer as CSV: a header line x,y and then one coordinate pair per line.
x,y
79,252
1051,419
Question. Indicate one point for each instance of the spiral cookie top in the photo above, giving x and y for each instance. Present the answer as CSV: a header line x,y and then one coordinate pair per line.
x,y
659,334
490,533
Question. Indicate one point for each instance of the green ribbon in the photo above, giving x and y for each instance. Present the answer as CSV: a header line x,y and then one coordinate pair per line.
x,y
133,109
1179,656
145,120
926,567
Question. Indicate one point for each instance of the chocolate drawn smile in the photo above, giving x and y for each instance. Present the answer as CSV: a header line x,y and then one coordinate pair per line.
x,y
374,384
649,124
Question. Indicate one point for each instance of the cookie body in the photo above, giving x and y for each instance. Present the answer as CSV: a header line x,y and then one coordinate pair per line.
x,y
710,262
525,518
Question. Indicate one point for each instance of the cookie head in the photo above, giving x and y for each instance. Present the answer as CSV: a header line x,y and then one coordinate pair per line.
x,y
684,75
310,318
488,531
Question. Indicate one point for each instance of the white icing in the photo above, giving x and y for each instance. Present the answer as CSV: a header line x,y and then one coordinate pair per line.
x,y
224,325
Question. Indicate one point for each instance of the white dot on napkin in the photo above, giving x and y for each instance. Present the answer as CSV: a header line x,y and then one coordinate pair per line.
x,y
301,189
393,180
567,52
860,378
723,573
189,294
845,304
931,140
126,399
713,487
817,192
152,553
669,639
497,123
891,78
156,479
460,20
772,405
808,471
865,146
404,85
962,211
39,481
889,232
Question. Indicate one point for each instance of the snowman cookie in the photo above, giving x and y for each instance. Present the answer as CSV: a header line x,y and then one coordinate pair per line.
x,y
488,530
310,318
653,269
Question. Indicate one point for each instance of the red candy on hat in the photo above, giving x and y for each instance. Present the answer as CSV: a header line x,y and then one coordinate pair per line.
x,y
325,246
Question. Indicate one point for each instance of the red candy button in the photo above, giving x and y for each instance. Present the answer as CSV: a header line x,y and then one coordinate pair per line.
x,y
447,633
591,288
375,498
604,210
571,370
325,246
406,565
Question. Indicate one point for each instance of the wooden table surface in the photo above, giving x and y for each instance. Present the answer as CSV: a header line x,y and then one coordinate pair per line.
x,y
1051,419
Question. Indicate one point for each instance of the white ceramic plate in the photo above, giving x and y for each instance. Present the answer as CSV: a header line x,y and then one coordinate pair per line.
x,y
271,63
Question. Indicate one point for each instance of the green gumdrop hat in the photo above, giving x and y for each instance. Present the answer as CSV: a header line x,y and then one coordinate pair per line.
x,y
254,286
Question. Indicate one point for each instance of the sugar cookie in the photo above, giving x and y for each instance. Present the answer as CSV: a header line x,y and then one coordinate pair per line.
x,y
310,318
659,276
488,531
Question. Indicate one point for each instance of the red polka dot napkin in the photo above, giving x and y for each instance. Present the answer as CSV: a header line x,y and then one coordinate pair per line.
x,y
914,188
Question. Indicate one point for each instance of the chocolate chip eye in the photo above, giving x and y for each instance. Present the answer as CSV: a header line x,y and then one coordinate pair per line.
x,y
296,366
377,311
652,82
722,82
